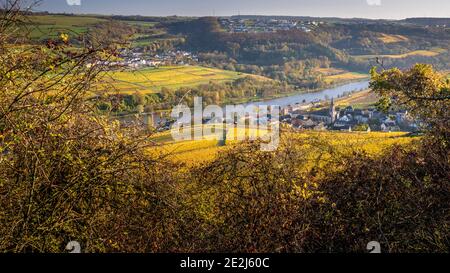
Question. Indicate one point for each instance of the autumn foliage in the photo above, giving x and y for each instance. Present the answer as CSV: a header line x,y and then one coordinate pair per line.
x,y
69,173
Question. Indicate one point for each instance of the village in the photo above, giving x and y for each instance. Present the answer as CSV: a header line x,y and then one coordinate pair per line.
x,y
137,58
266,25
314,116
301,117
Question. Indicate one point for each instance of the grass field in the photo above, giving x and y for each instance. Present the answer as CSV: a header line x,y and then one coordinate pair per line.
x,y
330,71
358,100
140,23
335,75
45,26
424,53
49,26
343,77
152,80
143,40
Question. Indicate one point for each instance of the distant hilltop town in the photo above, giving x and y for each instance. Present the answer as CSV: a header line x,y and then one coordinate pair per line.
x,y
266,24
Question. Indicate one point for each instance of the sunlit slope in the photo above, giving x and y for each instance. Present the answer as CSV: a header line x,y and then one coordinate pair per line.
x,y
197,152
152,80
423,53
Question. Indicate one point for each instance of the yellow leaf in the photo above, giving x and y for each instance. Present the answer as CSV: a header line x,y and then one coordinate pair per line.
x,y
64,37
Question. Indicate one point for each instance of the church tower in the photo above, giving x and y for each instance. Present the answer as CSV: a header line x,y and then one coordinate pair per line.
x,y
333,114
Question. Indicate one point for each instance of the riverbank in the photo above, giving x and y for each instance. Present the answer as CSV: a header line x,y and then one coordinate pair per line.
x,y
286,100
295,93
305,100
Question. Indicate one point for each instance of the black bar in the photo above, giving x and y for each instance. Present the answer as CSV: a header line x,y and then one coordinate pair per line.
x,y
220,262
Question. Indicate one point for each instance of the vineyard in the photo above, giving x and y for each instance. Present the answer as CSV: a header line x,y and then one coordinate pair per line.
x,y
194,152
152,80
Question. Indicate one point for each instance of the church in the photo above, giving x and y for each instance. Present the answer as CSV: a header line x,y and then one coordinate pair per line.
x,y
327,116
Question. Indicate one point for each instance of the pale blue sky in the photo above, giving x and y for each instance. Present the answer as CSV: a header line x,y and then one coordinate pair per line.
x,y
389,9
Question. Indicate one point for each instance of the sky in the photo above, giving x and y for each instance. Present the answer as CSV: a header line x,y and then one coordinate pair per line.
x,y
374,9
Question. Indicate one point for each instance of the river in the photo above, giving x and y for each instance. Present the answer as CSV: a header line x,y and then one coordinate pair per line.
x,y
302,99
307,98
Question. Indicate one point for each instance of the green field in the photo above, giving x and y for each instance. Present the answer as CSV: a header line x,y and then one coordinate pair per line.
x,y
41,27
140,40
152,80
45,26
140,23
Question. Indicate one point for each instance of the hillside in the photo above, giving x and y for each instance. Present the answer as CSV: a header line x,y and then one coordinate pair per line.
x,y
198,152
153,80
49,26
423,53
292,56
